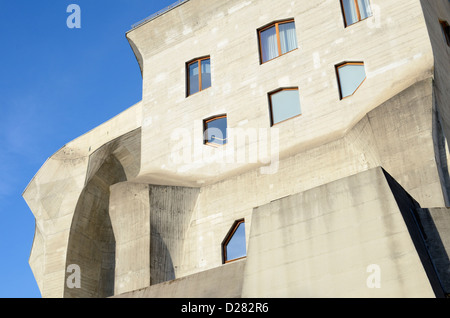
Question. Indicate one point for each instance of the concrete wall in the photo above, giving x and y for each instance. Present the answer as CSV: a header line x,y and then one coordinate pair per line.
x,y
320,243
354,237
393,44
434,11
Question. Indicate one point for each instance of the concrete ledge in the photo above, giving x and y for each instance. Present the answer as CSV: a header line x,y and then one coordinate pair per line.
x,y
221,282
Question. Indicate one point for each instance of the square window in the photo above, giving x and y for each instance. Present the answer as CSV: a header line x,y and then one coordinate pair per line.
x,y
284,105
215,131
277,39
198,75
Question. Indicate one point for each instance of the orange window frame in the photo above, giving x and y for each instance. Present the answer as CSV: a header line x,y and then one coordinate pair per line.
x,y
276,25
188,64
228,239
339,78
358,12
445,30
271,105
205,127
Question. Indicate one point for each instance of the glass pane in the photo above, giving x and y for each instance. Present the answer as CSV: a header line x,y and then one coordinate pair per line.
x,y
269,44
288,37
236,246
285,105
206,74
193,78
351,15
350,78
364,8
216,131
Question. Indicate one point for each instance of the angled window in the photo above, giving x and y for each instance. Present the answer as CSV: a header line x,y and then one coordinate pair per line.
x,y
277,39
198,75
445,31
350,75
355,11
234,246
284,104
215,130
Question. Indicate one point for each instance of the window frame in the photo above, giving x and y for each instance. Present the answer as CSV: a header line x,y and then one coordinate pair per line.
x,y
337,67
205,127
358,12
445,28
188,82
270,94
275,24
227,240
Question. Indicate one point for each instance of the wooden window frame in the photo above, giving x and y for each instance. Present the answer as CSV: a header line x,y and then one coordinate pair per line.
x,y
188,64
275,24
205,127
271,104
445,28
228,238
358,12
339,78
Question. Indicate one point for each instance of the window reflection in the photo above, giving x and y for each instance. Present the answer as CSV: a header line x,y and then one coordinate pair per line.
x,y
215,130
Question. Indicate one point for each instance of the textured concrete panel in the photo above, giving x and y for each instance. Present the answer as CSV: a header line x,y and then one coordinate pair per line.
x,y
129,210
435,225
321,242
221,282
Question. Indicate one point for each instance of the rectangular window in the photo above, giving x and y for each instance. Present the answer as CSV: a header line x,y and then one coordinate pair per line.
x,y
284,105
199,75
277,39
445,31
355,11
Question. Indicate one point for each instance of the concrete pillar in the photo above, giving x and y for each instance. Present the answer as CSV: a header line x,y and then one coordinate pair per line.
x,y
130,217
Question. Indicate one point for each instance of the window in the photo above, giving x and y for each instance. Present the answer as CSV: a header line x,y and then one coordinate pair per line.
x,y
277,39
355,10
234,246
215,130
350,75
284,104
199,75
445,31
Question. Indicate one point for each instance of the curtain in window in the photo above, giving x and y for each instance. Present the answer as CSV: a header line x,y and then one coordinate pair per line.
x,y
206,74
288,37
193,78
351,16
269,44
364,8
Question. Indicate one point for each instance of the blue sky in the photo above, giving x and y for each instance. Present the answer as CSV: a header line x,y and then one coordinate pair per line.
x,y
56,84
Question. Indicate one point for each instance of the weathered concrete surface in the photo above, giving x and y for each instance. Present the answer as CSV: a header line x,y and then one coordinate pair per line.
x,y
150,225
221,282
319,243
129,211
54,194
435,225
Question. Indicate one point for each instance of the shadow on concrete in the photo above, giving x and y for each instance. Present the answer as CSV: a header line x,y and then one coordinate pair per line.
x,y
421,231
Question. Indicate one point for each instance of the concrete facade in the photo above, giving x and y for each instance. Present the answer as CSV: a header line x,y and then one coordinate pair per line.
x,y
142,206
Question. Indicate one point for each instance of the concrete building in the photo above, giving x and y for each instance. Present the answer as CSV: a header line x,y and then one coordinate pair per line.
x,y
311,133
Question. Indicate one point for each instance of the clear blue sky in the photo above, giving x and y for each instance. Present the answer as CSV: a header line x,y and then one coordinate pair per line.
x,y
56,84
